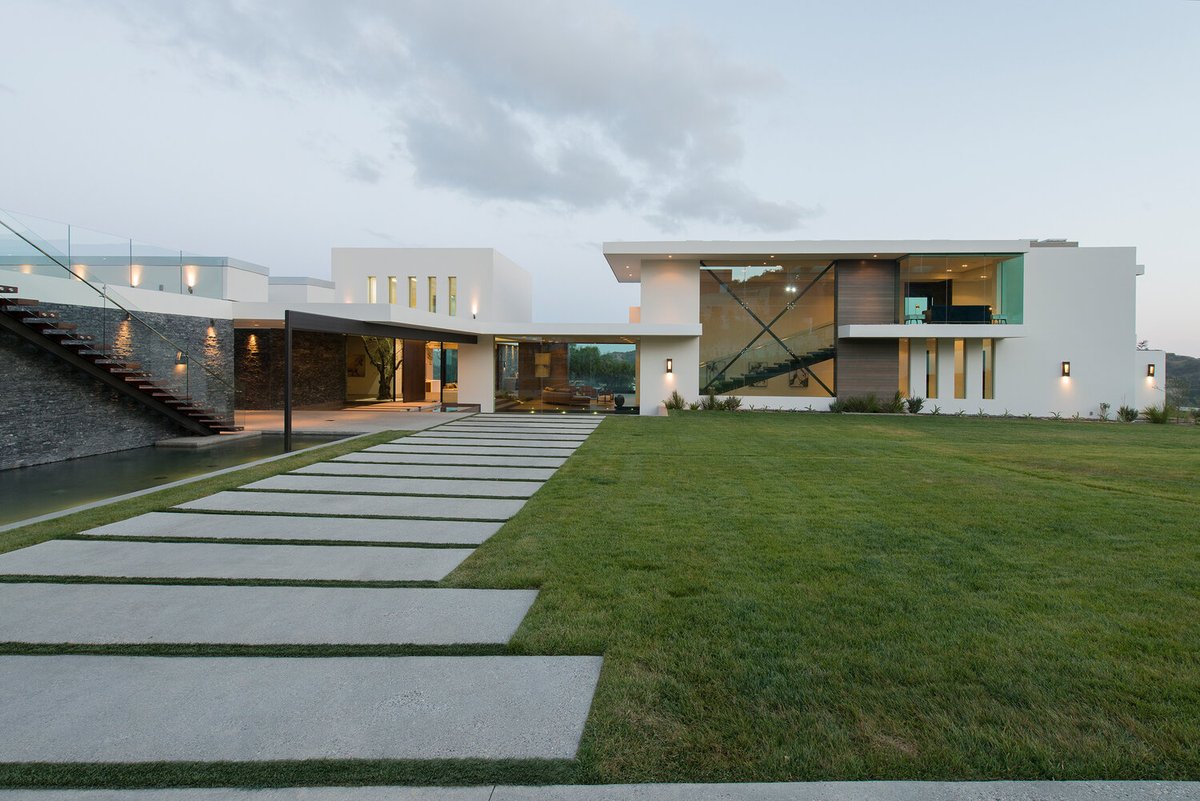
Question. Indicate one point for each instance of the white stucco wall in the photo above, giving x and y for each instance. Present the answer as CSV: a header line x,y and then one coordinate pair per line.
x,y
477,374
488,284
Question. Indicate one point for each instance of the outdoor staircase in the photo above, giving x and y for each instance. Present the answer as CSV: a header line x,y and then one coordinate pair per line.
x,y
728,383
45,328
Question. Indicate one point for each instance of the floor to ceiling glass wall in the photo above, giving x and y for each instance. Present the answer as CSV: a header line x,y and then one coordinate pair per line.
x,y
962,288
768,328
538,375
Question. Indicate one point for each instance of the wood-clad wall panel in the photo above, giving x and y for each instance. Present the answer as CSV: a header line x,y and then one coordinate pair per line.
x,y
866,292
868,366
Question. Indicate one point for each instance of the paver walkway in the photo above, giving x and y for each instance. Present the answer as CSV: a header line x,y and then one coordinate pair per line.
x,y
408,511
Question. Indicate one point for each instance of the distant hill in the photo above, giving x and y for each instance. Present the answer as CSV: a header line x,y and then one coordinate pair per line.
x,y
1183,380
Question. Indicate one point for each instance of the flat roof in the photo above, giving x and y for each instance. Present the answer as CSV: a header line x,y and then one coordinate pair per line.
x,y
625,258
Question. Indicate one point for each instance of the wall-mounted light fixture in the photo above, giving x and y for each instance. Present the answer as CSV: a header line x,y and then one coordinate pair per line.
x,y
1066,369
1150,371
670,365
180,357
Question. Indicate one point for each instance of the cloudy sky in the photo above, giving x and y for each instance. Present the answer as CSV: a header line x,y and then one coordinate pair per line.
x,y
272,131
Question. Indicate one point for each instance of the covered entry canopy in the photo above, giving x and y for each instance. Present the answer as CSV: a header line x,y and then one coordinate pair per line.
x,y
320,323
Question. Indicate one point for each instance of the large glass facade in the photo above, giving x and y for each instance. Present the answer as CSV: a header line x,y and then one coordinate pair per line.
x,y
962,288
555,376
768,328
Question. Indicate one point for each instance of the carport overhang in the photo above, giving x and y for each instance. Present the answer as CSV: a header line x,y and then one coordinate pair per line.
x,y
325,324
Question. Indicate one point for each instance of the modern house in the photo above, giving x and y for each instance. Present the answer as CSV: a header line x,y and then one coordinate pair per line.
x,y
126,345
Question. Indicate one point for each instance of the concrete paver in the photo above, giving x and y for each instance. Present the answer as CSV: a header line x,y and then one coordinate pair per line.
x,y
454,487
416,457
273,527
150,613
502,436
115,558
143,709
459,448
315,503
340,468
477,442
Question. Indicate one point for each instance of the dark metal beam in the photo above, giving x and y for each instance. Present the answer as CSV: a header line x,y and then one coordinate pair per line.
x,y
321,323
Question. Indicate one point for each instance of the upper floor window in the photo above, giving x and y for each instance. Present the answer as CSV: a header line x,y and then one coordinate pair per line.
x,y
433,293
453,295
391,289
412,292
962,288
371,289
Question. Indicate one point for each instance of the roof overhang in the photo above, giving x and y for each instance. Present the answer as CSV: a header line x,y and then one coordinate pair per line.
x,y
625,259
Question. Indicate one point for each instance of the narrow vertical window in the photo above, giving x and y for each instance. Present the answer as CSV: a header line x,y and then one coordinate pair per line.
x,y
433,293
903,385
989,369
931,354
960,368
412,292
391,289
370,289
452,293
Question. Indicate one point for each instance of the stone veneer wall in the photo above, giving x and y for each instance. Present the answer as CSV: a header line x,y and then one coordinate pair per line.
x,y
319,362
209,342
51,411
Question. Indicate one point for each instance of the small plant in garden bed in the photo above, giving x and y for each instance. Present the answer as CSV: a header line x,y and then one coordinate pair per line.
x,y
1127,414
675,401
1159,414
914,404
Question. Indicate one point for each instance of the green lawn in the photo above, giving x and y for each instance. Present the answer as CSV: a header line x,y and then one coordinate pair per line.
x,y
801,596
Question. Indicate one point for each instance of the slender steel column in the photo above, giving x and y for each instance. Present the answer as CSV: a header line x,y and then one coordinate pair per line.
x,y
287,381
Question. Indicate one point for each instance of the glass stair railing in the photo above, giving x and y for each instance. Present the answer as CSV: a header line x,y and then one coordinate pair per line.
x,y
762,362
105,334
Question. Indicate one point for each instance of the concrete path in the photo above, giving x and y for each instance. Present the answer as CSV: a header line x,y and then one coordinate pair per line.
x,y
426,471
150,709
204,560
274,527
410,457
364,485
107,614
366,517
794,791
313,503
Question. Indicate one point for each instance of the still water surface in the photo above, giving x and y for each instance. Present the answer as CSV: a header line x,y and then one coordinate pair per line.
x,y
31,491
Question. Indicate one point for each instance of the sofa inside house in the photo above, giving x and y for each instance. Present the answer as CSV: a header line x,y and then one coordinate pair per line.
x,y
569,396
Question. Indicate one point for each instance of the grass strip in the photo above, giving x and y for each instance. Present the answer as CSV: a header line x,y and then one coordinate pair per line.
x,y
213,582
345,772
269,541
165,499
327,650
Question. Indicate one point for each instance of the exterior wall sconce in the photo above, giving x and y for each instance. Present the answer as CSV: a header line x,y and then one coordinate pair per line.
x,y
180,358
1066,369
670,365
1150,371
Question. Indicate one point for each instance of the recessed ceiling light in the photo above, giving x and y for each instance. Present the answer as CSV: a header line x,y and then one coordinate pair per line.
x,y
964,265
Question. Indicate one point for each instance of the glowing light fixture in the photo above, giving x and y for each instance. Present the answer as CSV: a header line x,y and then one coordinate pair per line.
x,y
1066,369
670,365
1150,371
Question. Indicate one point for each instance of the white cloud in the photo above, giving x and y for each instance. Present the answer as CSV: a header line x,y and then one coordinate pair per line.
x,y
524,100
